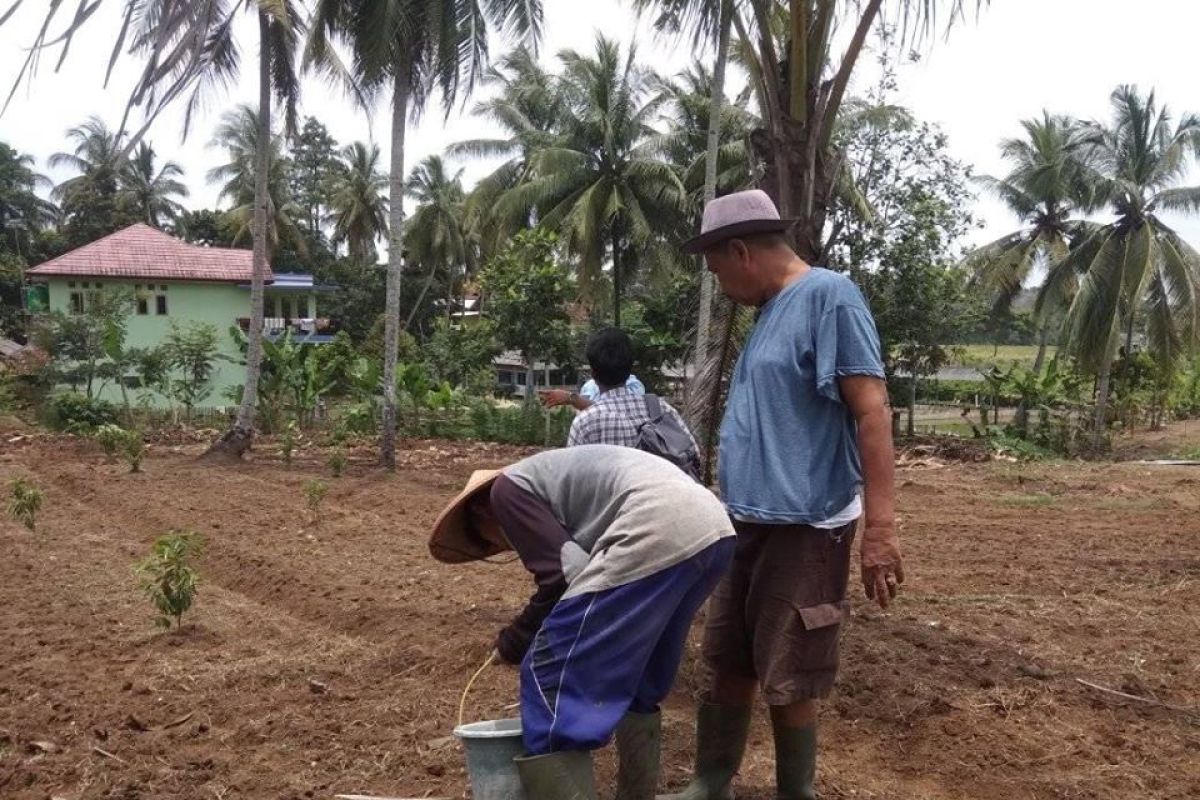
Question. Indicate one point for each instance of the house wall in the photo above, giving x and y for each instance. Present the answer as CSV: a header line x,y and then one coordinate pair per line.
x,y
219,304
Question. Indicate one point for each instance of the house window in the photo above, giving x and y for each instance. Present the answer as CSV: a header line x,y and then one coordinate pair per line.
x,y
76,302
160,305
92,300
520,379
143,305
505,377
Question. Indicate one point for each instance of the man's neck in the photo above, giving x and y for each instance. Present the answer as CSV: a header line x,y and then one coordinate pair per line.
x,y
783,276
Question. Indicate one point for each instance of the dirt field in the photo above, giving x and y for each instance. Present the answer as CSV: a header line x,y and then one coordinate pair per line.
x,y
328,656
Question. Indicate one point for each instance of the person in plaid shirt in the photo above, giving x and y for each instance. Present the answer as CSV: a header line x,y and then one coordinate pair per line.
x,y
618,413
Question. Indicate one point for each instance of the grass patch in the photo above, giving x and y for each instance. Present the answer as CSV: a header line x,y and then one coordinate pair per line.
x,y
1127,503
1039,500
985,355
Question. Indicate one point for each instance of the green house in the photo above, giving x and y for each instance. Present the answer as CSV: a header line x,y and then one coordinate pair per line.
x,y
174,282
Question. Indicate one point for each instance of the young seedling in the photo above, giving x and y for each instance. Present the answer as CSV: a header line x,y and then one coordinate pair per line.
x,y
132,450
167,576
287,441
337,462
111,439
314,492
24,502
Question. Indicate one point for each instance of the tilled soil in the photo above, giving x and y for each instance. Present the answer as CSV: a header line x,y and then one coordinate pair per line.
x,y
327,654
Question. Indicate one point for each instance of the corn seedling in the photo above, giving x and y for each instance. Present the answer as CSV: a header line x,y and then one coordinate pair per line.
x,y
24,502
337,462
287,441
314,492
111,439
167,577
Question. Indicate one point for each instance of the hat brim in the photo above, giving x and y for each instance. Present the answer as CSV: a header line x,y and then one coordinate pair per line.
x,y
698,244
453,541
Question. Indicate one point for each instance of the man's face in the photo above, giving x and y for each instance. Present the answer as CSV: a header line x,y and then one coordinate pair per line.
x,y
731,262
484,521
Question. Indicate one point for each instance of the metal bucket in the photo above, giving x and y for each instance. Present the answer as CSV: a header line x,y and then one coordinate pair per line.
x,y
491,747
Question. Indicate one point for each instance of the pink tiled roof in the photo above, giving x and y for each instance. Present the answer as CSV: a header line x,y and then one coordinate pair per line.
x,y
141,251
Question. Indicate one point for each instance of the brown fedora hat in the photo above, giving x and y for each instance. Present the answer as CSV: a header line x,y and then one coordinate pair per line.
x,y
453,540
738,214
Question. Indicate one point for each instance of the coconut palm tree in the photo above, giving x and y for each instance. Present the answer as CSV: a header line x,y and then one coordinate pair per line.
x,y
687,109
238,133
359,205
706,21
436,238
189,51
22,211
527,106
150,191
600,184
1044,189
410,48
96,157
1135,271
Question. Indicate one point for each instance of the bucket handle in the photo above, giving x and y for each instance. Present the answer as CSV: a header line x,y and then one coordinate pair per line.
x,y
462,703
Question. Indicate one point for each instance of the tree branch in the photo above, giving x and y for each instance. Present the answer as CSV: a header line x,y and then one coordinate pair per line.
x,y
841,80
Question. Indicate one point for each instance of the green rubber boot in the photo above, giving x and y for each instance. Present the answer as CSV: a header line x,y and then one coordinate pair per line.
x,y
795,762
639,740
721,733
558,776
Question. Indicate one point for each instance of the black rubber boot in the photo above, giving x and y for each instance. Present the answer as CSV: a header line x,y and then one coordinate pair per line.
x,y
558,776
721,733
795,762
639,740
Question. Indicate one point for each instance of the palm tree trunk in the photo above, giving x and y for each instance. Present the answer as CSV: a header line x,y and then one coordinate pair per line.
x,y
912,403
400,97
238,439
1100,425
1021,416
716,108
1127,377
412,314
616,249
1040,360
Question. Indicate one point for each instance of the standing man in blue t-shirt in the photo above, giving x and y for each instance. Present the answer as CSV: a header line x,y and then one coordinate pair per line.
x,y
806,427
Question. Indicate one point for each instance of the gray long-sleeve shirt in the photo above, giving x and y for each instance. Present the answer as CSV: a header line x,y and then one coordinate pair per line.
x,y
628,514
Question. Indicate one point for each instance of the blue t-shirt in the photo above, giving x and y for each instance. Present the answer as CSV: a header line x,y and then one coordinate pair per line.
x,y
789,445
590,390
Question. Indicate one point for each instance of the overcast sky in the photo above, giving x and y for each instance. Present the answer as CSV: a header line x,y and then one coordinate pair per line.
x,y
1019,57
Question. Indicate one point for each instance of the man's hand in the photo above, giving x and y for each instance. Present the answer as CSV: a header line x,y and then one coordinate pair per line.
x,y
511,645
552,398
882,565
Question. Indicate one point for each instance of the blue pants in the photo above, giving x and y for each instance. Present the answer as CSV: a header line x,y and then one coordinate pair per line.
x,y
602,654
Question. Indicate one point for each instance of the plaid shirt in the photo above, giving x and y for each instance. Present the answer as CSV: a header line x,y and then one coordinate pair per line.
x,y
614,418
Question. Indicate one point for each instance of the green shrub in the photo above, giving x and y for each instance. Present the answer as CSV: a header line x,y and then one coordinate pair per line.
x,y
78,413
337,462
167,577
314,492
287,441
24,502
132,450
1007,443
111,439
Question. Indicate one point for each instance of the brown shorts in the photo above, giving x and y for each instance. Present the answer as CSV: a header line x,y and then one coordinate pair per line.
x,y
777,615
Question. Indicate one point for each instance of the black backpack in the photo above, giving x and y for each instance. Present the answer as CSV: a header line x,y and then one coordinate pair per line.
x,y
665,436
